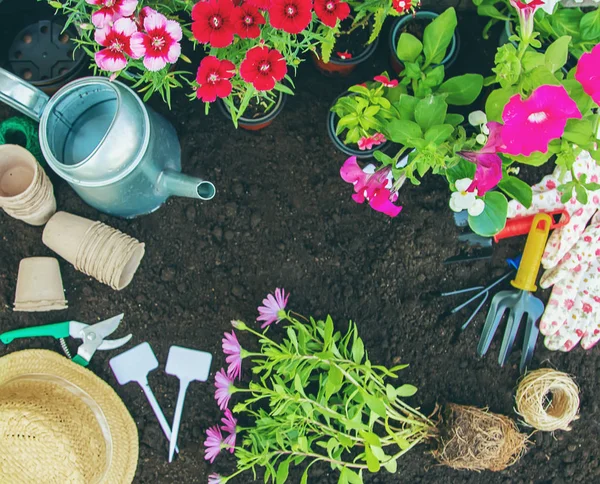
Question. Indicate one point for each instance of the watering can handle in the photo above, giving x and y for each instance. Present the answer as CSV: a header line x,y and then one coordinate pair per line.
x,y
21,95
532,254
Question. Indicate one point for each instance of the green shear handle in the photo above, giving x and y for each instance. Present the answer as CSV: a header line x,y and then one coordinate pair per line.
x,y
56,330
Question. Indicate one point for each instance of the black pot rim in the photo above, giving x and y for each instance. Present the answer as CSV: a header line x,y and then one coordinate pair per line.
x,y
454,46
256,121
360,154
363,56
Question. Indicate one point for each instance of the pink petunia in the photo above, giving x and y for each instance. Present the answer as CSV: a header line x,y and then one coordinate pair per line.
x,y
526,11
386,81
111,10
273,309
160,44
232,348
371,186
530,124
116,39
225,389
368,142
229,426
215,479
213,443
588,73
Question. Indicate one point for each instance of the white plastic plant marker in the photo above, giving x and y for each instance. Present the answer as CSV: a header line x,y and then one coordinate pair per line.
x,y
188,365
134,365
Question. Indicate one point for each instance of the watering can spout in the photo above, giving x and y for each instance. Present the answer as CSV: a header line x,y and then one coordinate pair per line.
x,y
179,185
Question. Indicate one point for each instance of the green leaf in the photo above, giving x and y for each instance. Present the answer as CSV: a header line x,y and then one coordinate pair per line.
x,y
282,472
375,404
404,131
590,26
487,10
349,476
390,392
358,351
566,21
391,466
557,53
328,332
292,336
494,105
463,169
580,132
435,76
538,77
517,189
577,94
493,218
406,390
532,59
536,158
430,111
303,444
582,196
406,106
379,453
409,48
372,462
438,35
334,381
304,479
438,134
454,119
370,438
382,158
462,90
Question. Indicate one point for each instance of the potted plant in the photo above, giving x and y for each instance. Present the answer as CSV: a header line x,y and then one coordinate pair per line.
x,y
315,396
356,38
416,25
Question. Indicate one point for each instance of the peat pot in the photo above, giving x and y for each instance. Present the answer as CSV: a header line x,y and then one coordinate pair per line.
x,y
120,156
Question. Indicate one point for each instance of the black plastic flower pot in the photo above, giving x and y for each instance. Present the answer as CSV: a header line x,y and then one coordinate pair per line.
x,y
402,23
259,121
44,54
332,119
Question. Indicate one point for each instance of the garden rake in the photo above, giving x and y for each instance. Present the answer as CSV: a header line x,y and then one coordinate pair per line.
x,y
520,303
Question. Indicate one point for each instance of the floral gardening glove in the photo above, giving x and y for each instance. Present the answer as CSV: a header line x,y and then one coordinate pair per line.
x,y
573,311
546,197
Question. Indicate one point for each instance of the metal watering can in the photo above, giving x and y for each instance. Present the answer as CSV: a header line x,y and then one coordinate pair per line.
x,y
120,156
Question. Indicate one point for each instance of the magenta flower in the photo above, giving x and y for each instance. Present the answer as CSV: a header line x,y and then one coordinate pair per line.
x,y
232,348
530,124
273,309
588,73
225,388
371,186
489,164
230,424
213,443
215,479
526,11
116,39
111,10
386,81
160,44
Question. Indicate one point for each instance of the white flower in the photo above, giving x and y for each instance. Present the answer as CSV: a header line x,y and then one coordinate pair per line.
x,y
477,118
464,200
549,5
481,139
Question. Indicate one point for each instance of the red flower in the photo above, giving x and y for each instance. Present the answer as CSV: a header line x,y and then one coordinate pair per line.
x,y
329,11
263,4
247,21
213,78
385,81
263,67
214,22
402,6
587,308
344,55
293,16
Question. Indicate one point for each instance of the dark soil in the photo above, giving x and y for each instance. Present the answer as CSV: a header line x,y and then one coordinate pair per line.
x,y
417,27
282,217
353,43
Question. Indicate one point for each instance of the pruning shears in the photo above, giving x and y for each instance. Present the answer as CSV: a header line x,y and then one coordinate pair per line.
x,y
93,336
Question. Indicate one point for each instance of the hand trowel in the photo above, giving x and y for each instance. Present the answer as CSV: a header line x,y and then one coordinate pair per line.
x,y
188,365
134,365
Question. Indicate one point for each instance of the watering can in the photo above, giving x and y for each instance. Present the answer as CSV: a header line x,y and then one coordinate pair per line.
x,y
120,156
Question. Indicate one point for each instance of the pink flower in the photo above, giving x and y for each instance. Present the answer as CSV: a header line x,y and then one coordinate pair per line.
x,y
526,11
489,164
111,9
225,389
367,142
213,443
529,125
116,39
230,424
587,308
215,479
344,55
569,303
385,81
160,44
588,73
232,348
273,309
371,186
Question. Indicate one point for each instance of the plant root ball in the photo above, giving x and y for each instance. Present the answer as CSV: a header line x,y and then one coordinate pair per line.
x,y
548,400
476,439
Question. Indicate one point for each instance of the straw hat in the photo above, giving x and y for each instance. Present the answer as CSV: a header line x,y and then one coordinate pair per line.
x,y
60,423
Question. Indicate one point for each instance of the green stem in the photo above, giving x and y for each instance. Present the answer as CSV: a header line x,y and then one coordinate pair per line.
x,y
324,458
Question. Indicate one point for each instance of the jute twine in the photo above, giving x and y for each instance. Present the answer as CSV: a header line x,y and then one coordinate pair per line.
x,y
548,400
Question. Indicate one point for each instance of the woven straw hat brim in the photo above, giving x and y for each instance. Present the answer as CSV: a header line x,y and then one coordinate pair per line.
x,y
125,447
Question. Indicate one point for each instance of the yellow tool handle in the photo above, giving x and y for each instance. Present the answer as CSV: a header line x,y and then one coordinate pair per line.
x,y
532,254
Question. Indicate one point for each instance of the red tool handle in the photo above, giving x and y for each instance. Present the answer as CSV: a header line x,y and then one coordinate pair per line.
x,y
521,225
